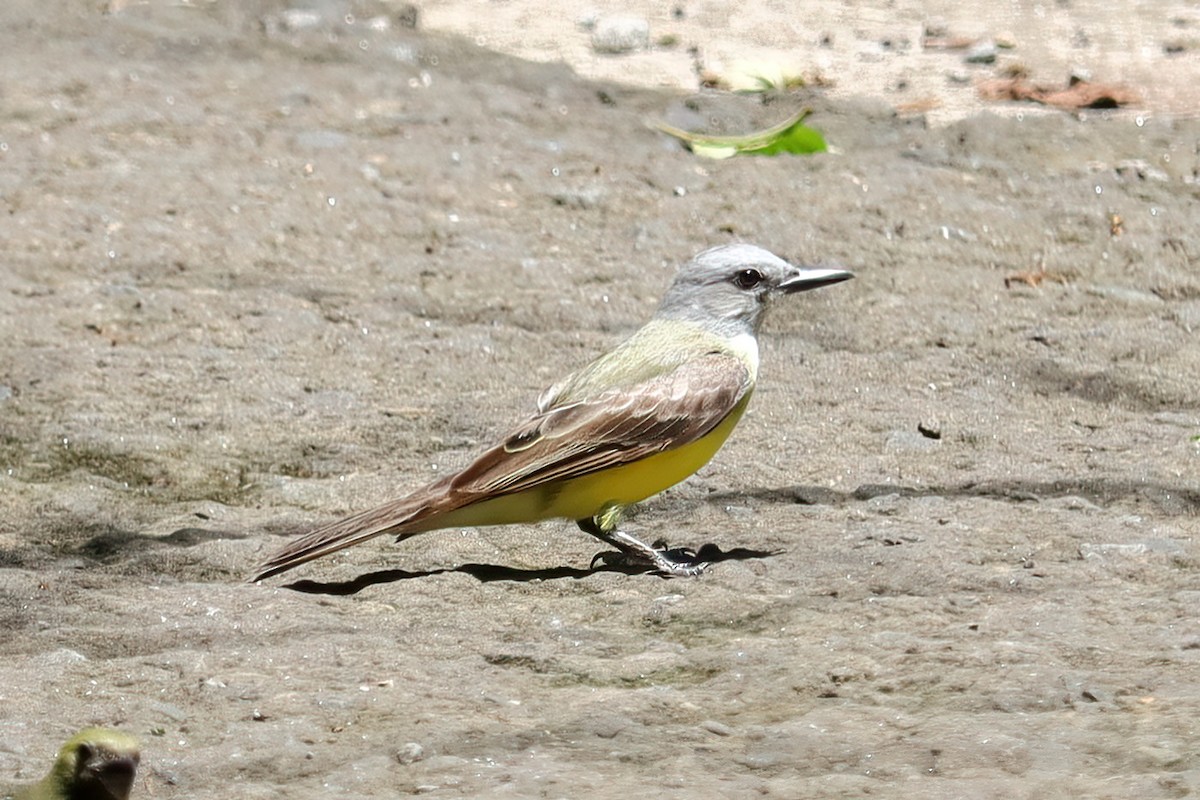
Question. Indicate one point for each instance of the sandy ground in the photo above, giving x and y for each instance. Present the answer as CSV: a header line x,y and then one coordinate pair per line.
x,y
258,273
857,48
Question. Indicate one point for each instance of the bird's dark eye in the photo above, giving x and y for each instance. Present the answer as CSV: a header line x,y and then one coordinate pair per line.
x,y
747,279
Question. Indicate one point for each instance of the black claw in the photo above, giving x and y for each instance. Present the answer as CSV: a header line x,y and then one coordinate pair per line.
x,y
620,560
607,558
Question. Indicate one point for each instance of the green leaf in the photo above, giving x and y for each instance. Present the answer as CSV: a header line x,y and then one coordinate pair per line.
x,y
790,136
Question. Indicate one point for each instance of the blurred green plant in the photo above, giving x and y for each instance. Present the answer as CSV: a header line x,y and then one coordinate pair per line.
x,y
789,136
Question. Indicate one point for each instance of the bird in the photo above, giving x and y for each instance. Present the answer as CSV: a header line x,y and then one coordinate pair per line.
x,y
94,764
633,422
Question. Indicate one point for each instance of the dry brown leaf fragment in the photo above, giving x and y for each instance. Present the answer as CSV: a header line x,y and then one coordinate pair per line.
x,y
1035,277
1078,94
947,42
919,106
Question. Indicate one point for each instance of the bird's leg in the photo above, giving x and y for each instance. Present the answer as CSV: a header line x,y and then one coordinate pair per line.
x,y
675,562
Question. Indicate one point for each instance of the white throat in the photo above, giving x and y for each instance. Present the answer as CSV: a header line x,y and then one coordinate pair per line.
x,y
745,345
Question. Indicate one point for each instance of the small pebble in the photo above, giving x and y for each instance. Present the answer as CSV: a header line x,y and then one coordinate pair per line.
x,y
718,728
1125,294
607,726
762,760
298,19
1080,75
620,34
937,28
408,15
587,20
410,753
930,428
171,712
908,442
885,505
982,52
1141,169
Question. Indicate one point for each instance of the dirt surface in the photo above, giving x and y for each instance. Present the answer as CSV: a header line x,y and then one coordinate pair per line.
x,y
260,272
910,54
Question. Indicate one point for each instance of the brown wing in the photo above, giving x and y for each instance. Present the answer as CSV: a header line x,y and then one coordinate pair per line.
x,y
569,441
614,428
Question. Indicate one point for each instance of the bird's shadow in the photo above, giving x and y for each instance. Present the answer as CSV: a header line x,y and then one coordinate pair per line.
x,y
486,573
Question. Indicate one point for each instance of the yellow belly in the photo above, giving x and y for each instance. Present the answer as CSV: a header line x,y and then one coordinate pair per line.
x,y
581,498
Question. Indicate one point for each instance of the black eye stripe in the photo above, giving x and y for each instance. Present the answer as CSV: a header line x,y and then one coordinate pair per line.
x,y
747,278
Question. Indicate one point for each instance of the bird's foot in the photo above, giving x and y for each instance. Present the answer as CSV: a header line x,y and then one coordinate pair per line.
x,y
679,562
673,562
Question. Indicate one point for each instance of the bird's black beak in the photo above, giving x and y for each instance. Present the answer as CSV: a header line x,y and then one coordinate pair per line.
x,y
117,775
807,279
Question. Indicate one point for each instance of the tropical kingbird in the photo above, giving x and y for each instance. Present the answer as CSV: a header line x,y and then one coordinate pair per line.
x,y
627,426
96,764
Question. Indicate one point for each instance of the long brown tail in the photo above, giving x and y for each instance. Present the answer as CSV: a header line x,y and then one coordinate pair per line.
x,y
409,514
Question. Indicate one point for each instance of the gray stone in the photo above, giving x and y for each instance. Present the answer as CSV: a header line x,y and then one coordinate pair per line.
x,y
410,753
1125,294
909,442
717,728
620,34
982,52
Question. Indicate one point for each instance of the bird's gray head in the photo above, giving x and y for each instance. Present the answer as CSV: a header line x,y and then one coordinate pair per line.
x,y
727,288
